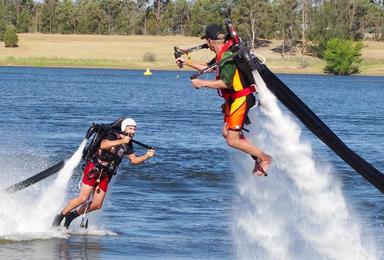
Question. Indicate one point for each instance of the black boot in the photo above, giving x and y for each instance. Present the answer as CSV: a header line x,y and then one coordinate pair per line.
x,y
70,217
57,220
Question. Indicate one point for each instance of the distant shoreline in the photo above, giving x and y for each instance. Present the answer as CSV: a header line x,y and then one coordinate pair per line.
x,y
142,70
127,52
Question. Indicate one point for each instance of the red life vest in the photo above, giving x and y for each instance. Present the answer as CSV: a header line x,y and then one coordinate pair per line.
x,y
219,55
230,93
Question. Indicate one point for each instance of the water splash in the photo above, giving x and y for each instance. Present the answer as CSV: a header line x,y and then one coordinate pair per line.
x,y
27,217
298,211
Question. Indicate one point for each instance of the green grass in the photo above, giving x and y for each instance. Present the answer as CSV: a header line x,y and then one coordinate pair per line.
x,y
296,64
372,66
63,62
297,60
372,62
46,62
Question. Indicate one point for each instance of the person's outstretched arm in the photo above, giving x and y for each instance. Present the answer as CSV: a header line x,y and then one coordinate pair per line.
x,y
135,160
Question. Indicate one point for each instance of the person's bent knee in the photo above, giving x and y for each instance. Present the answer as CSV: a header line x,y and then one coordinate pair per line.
x,y
96,207
232,142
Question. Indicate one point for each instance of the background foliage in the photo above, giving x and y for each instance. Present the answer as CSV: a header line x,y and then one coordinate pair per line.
x,y
342,56
292,20
305,26
10,36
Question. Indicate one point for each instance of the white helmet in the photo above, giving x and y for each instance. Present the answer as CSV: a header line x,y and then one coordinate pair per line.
x,y
127,122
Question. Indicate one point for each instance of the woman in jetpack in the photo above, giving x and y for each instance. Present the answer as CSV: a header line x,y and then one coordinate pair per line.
x,y
235,87
101,165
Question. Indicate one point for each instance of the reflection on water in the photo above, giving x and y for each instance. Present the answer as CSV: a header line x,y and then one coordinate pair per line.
x,y
78,247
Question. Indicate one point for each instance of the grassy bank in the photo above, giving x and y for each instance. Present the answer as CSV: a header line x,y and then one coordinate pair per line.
x,y
44,50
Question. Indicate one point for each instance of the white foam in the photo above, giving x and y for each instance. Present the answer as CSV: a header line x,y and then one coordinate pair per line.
x,y
25,215
298,211
92,231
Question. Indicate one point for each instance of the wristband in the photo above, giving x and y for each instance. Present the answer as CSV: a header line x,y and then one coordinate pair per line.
x,y
189,61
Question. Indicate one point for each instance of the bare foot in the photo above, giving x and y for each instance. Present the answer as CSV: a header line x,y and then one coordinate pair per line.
x,y
261,167
266,163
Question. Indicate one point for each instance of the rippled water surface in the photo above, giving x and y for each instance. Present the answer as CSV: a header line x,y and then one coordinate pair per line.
x,y
182,203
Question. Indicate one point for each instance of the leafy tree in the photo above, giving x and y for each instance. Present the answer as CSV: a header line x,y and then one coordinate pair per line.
x,y
142,21
159,9
251,18
2,24
20,14
286,12
35,23
126,20
324,26
150,26
304,24
205,12
154,16
49,16
91,18
111,9
342,56
181,16
24,21
343,19
167,21
373,22
66,22
10,36
2,29
313,21
142,3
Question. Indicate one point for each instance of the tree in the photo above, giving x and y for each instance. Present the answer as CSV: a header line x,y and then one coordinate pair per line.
x,y
251,18
10,36
150,26
373,22
159,7
182,14
91,18
286,21
2,29
111,9
167,20
24,21
65,19
21,11
324,27
304,24
49,16
126,20
342,56
205,12
2,24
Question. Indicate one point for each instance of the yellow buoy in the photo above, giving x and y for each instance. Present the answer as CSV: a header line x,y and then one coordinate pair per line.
x,y
147,72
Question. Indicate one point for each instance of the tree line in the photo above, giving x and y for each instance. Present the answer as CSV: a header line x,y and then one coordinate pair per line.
x,y
297,22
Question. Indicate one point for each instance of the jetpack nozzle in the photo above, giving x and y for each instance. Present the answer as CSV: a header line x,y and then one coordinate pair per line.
x,y
90,131
252,61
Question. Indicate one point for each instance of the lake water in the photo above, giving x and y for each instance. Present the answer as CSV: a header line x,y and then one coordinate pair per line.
x,y
196,199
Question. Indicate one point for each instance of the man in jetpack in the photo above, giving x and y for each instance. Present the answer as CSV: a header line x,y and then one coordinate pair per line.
x,y
99,169
235,87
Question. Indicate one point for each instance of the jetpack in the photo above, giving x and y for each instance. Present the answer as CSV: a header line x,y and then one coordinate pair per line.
x,y
248,63
96,133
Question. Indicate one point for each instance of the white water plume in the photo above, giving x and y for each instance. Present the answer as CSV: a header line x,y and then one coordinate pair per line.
x,y
298,211
26,217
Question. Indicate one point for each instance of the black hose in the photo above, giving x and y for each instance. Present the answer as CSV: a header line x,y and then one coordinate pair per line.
x,y
36,178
